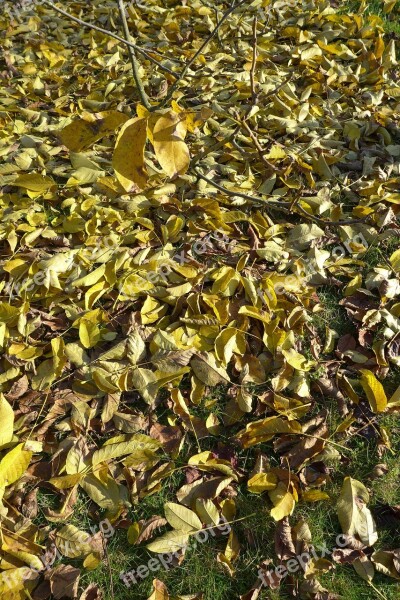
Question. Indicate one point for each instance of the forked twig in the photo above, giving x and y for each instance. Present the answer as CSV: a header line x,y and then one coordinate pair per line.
x,y
110,34
200,50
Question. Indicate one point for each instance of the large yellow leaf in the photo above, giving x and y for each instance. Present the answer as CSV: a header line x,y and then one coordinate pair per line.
x,y
81,134
13,465
374,391
7,421
283,501
140,445
128,157
171,151
172,541
182,518
35,182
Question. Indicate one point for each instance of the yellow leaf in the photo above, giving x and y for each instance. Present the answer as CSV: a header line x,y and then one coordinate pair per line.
x,y
260,482
171,151
160,591
89,333
66,482
374,391
35,182
128,157
353,514
59,356
13,465
315,496
14,580
7,422
172,541
73,542
182,518
139,446
81,134
283,501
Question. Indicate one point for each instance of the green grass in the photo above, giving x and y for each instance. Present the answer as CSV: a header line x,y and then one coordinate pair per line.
x,y
391,22
200,571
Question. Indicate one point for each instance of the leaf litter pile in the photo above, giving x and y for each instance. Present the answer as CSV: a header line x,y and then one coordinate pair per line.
x,y
199,287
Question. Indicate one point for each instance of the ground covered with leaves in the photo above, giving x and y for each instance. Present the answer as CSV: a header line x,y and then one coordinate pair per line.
x,y
200,301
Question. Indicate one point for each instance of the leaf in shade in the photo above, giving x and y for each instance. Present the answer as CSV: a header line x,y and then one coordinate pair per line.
x,y
64,581
387,562
364,567
92,592
144,530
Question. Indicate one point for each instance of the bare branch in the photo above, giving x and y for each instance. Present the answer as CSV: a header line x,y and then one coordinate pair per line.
x,y
132,54
110,34
200,50
285,207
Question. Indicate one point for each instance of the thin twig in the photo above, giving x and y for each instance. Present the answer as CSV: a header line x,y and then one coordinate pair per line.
x,y
267,203
200,50
257,144
217,146
279,205
254,64
110,34
326,222
134,61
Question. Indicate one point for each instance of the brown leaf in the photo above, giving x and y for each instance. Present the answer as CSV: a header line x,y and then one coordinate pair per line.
x,y
64,581
18,389
284,546
147,528
92,592
169,435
